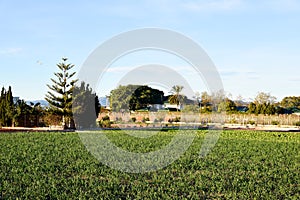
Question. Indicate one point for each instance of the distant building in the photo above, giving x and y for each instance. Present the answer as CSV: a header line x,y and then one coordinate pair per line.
x,y
172,107
242,108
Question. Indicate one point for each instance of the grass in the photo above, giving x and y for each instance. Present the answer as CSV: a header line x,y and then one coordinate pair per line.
x,y
242,165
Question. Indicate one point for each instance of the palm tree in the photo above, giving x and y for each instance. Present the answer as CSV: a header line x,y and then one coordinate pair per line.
x,y
176,97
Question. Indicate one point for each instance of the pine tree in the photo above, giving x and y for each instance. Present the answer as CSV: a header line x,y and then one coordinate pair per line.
x,y
60,95
9,107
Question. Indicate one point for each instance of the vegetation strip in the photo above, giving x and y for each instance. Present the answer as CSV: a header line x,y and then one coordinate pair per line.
x,y
242,165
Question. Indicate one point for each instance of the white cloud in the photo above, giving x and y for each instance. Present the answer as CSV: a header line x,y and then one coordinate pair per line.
x,y
283,5
239,72
295,79
179,69
120,69
10,51
212,5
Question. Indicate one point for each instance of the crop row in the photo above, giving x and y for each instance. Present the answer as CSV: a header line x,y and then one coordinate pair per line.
x,y
242,165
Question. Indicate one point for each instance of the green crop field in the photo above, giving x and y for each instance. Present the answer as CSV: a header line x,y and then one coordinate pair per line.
x,y
242,165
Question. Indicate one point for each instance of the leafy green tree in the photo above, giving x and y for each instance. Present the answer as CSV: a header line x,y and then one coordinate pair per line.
x,y
263,97
252,108
270,109
86,106
52,117
134,97
227,106
120,97
205,102
60,95
259,109
290,102
143,96
263,103
176,97
36,112
22,113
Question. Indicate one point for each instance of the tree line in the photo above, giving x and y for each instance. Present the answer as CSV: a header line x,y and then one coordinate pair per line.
x,y
70,105
75,105
141,97
16,112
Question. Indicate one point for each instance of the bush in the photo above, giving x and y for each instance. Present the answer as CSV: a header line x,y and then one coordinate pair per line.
x,y
297,123
105,118
233,121
177,119
133,119
275,122
145,119
105,122
251,122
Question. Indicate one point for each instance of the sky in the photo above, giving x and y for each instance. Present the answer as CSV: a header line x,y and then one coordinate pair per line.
x,y
254,44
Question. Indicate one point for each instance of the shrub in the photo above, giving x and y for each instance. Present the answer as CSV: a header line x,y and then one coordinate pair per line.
x,y
105,118
297,123
177,119
233,121
275,122
145,119
251,122
105,122
133,119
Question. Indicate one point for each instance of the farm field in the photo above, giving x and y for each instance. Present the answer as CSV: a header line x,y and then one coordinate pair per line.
x,y
242,165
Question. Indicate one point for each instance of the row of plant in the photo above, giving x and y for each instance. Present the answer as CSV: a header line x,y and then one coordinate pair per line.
x,y
242,165
74,104
242,119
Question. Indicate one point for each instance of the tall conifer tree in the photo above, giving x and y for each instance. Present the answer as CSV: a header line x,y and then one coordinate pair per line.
x,y
60,95
6,107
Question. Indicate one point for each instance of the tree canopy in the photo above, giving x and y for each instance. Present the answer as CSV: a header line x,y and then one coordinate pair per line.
x,y
86,106
227,106
134,97
290,102
143,96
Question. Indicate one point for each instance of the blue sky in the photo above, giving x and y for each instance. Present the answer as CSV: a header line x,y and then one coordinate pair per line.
x,y
255,45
